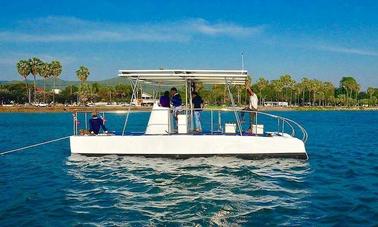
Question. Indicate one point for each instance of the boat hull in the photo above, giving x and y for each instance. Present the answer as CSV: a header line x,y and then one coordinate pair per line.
x,y
185,146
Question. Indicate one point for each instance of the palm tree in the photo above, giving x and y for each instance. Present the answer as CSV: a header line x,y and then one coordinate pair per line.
x,y
277,88
305,86
56,70
370,91
261,85
350,85
329,91
82,73
44,72
24,70
315,88
287,84
297,92
35,64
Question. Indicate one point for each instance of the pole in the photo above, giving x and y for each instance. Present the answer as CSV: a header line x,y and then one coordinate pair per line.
x,y
128,111
186,97
86,120
73,123
242,59
256,121
233,107
212,122
191,110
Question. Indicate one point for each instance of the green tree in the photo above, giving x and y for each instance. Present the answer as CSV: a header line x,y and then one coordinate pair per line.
x,y
315,88
329,92
297,89
35,65
82,74
122,91
24,70
350,86
85,90
13,93
262,86
277,87
56,70
370,92
287,84
44,72
305,85
68,95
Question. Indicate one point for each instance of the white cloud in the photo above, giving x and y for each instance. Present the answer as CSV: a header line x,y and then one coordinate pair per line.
x,y
227,29
346,50
71,29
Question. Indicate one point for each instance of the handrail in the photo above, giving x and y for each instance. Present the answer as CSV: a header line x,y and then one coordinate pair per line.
x,y
289,122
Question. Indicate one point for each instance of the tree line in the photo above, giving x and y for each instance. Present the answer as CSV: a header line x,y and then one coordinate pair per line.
x,y
306,92
36,67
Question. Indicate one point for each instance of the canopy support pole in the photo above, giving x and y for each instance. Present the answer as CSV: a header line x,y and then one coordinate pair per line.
x,y
128,111
86,120
186,97
233,106
191,107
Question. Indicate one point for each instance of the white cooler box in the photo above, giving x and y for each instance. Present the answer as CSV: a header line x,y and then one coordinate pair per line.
x,y
259,130
230,128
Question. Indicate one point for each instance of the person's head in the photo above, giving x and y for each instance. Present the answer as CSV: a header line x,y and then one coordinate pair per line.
x,y
94,114
194,94
173,91
166,93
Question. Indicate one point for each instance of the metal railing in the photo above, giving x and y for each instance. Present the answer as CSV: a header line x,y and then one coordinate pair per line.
x,y
284,125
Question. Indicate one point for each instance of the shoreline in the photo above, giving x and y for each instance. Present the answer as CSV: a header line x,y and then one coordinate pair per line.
x,y
62,109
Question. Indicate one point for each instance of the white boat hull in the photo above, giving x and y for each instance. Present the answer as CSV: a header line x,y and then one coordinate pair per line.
x,y
177,146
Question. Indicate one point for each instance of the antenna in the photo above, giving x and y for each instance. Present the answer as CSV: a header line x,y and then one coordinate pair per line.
x,y
242,61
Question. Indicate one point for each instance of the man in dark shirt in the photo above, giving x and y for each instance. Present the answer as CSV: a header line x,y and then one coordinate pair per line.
x,y
197,102
176,103
176,98
95,123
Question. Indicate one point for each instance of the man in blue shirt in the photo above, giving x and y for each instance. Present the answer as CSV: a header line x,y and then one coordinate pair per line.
x,y
176,98
197,102
95,123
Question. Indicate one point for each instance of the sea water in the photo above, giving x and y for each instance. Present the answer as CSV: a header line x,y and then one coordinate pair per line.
x,y
46,186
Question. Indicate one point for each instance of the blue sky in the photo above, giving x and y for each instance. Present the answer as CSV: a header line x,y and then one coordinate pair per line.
x,y
318,39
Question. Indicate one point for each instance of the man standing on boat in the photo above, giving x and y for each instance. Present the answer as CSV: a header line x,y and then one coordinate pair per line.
x,y
95,123
197,102
176,103
253,104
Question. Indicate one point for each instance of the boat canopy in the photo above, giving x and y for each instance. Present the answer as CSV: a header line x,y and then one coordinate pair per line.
x,y
182,76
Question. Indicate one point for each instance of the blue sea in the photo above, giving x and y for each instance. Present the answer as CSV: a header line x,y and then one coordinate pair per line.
x,y
46,186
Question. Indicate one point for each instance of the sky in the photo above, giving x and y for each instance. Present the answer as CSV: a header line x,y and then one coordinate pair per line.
x,y
319,39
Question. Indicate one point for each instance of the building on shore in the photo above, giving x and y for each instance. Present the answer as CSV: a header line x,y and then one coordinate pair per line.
x,y
279,104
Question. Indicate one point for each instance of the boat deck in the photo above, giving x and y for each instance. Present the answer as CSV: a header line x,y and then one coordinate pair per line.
x,y
266,134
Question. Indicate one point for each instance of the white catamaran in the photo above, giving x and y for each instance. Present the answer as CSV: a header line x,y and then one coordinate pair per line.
x,y
165,138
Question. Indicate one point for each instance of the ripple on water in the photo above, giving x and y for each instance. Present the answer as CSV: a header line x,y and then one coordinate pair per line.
x,y
216,190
